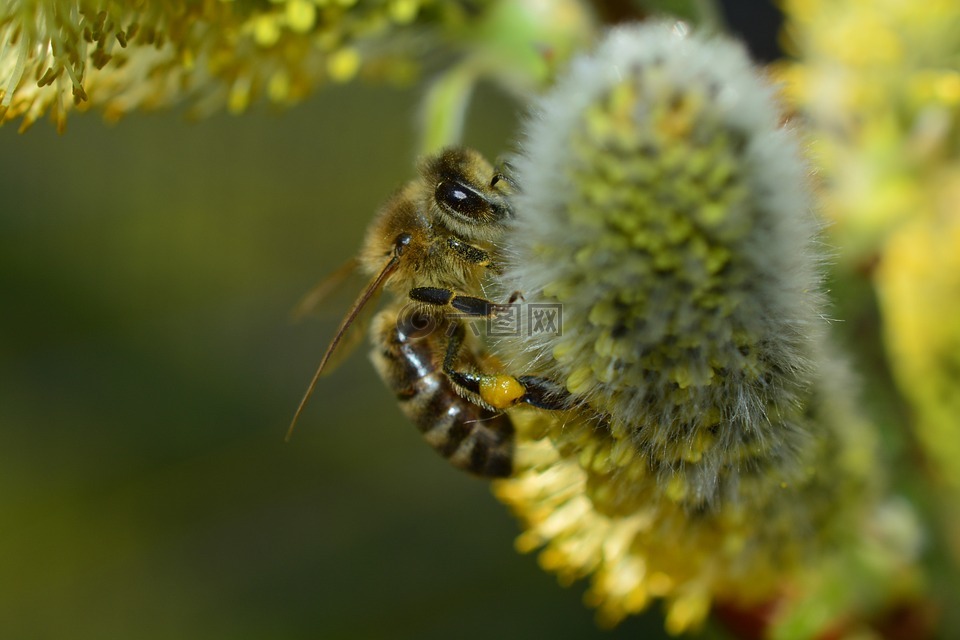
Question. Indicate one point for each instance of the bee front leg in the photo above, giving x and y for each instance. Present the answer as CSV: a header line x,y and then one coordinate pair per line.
x,y
501,390
473,255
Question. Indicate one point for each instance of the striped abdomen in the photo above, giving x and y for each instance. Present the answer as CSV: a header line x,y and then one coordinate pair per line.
x,y
471,437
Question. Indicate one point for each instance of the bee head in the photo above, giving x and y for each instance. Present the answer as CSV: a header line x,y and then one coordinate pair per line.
x,y
468,197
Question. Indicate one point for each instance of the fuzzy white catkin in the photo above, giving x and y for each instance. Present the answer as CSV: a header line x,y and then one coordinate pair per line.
x,y
666,210
716,452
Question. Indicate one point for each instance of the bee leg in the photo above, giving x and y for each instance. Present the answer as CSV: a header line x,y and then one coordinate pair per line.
x,y
467,380
466,305
467,252
504,172
501,390
496,391
545,394
473,255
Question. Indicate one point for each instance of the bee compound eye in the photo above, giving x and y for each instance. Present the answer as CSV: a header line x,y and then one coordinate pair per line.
x,y
461,200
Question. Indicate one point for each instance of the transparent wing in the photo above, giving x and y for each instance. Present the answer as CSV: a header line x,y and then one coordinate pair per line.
x,y
322,290
347,326
352,336
333,284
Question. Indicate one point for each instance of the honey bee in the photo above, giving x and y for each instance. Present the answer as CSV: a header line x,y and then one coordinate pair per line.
x,y
431,245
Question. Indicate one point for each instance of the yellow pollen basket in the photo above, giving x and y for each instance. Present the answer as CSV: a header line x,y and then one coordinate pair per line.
x,y
501,391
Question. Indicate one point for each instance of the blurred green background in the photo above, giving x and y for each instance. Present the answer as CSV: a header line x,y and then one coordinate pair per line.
x,y
149,368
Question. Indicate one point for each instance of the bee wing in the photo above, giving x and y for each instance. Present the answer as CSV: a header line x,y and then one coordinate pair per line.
x,y
369,292
352,336
323,289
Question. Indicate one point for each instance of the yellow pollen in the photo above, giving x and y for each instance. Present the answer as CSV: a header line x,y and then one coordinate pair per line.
x,y
501,391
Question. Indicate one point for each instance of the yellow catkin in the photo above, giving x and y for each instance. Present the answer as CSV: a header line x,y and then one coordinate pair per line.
x,y
121,57
879,84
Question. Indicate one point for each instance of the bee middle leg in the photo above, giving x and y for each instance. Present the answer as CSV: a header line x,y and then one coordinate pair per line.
x,y
502,390
467,305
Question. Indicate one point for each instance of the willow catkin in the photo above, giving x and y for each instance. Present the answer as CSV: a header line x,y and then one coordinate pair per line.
x,y
717,451
129,55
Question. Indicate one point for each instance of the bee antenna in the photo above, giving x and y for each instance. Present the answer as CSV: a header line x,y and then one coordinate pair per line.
x,y
371,289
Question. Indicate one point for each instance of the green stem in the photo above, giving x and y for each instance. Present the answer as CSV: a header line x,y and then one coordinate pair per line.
x,y
444,108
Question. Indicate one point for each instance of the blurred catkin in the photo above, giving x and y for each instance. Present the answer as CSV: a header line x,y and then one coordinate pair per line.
x,y
126,55
879,84
719,454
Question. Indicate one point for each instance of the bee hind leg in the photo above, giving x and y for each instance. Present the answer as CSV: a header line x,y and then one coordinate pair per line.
x,y
545,394
500,390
